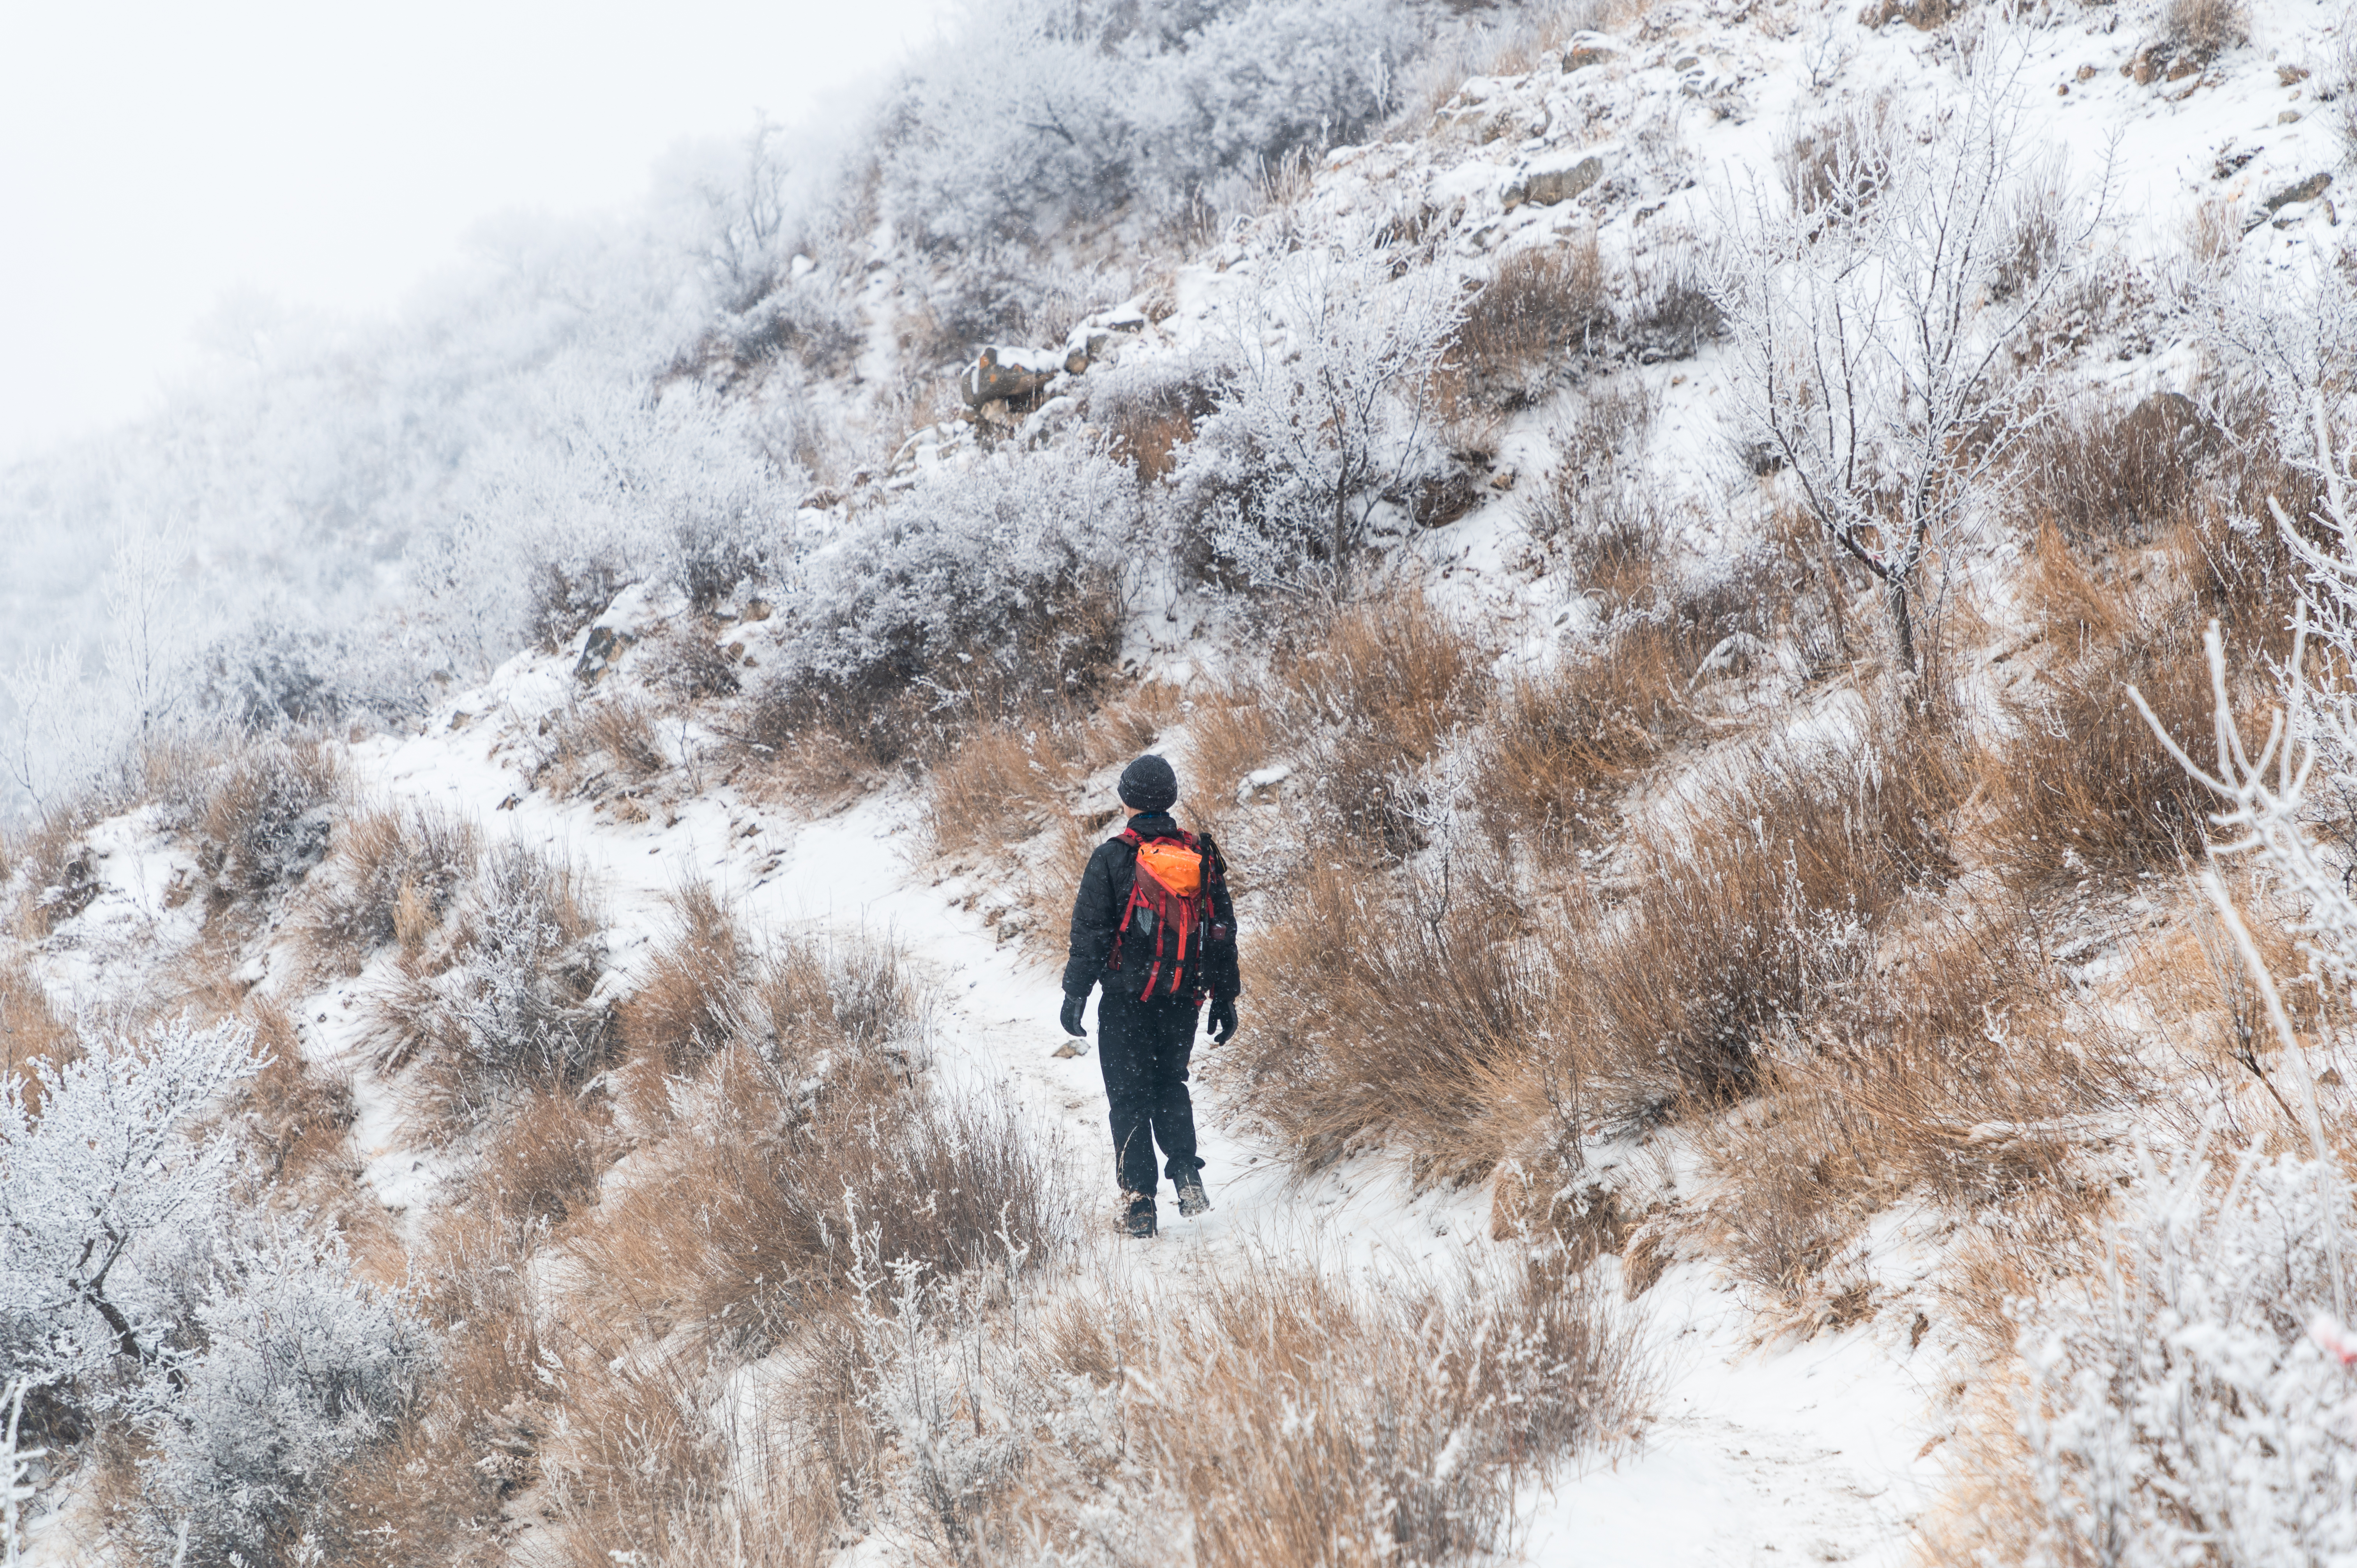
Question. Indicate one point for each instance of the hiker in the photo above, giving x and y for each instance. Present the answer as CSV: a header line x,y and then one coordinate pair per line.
x,y
1154,923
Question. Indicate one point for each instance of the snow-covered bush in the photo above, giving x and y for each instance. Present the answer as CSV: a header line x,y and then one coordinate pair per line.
x,y
2182,1410
503,1001
298,1367
990,588
1039,113
110,1193
1327,415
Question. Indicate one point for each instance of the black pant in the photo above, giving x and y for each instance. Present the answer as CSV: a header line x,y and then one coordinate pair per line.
x,y
1143,1047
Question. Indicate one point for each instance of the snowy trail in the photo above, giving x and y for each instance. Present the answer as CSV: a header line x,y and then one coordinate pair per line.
x,y
1813,1453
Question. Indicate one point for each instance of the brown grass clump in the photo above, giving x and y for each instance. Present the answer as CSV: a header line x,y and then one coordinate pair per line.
x,y
691,1000
261,820
2084,785
545,1160
1381,1020
742,1225
1950,1066
2206,28
2100,479
624,730
497,1002
1741,933
1372,699
1544,307
1567,739
908,705
393,876
1333,1425
30,1028
437,1489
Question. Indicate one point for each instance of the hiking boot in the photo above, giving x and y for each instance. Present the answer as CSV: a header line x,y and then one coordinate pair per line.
x,y
1139,1224
1192,1199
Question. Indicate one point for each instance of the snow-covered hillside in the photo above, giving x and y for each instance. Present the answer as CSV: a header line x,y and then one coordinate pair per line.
x,y
1653,553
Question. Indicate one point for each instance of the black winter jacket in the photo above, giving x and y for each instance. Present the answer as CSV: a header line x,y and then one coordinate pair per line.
x,y
1105,892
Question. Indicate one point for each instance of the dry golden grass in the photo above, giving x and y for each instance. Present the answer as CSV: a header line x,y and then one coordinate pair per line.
x,y
2083,787
30,1029
1566,741
393,876
1316,1412
1769,904
624,730
739,1226
1376,1020
1544,306
691,1000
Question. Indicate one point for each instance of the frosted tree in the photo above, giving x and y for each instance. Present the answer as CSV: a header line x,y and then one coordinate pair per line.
x,y
2187,1405
1328,410
108,1187
301,1366
1877,298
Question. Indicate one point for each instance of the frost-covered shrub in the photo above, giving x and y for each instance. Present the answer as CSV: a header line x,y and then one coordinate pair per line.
x,y
617,485
1327,415
986,589
1042,112
109,1193
263,818
2181,1409
503,1001
300,1366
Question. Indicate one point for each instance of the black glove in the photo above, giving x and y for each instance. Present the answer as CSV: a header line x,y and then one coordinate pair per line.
x,y
1070,1016
1223,1019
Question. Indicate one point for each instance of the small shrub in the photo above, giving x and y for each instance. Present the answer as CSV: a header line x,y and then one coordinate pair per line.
x,y
624,730
2206,28
263,819
1544,306
302,1370
499,1004
987,593
392,875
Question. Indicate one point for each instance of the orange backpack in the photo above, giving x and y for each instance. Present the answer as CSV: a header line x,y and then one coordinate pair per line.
x,y
1170,901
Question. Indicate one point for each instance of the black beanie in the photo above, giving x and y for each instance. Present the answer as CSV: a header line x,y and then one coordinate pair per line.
x,y
1149,784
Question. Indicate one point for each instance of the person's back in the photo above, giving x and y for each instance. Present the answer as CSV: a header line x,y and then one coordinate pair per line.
x,y
1153,924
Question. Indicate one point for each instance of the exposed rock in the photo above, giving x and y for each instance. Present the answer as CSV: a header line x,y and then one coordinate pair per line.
x,y
1003,375
1546,187
1587,50
599,649
2309,189
1439,500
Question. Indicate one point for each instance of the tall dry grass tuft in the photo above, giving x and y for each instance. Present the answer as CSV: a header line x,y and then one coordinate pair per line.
x,y
2083,787
741,1225
1292,1419
30,1029
498,1002
261,816
1566,740
393,874
1381,1020
1544,307
690,999
1768,905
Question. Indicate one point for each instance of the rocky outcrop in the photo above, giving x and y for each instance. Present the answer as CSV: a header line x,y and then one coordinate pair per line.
x,y
1545,186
